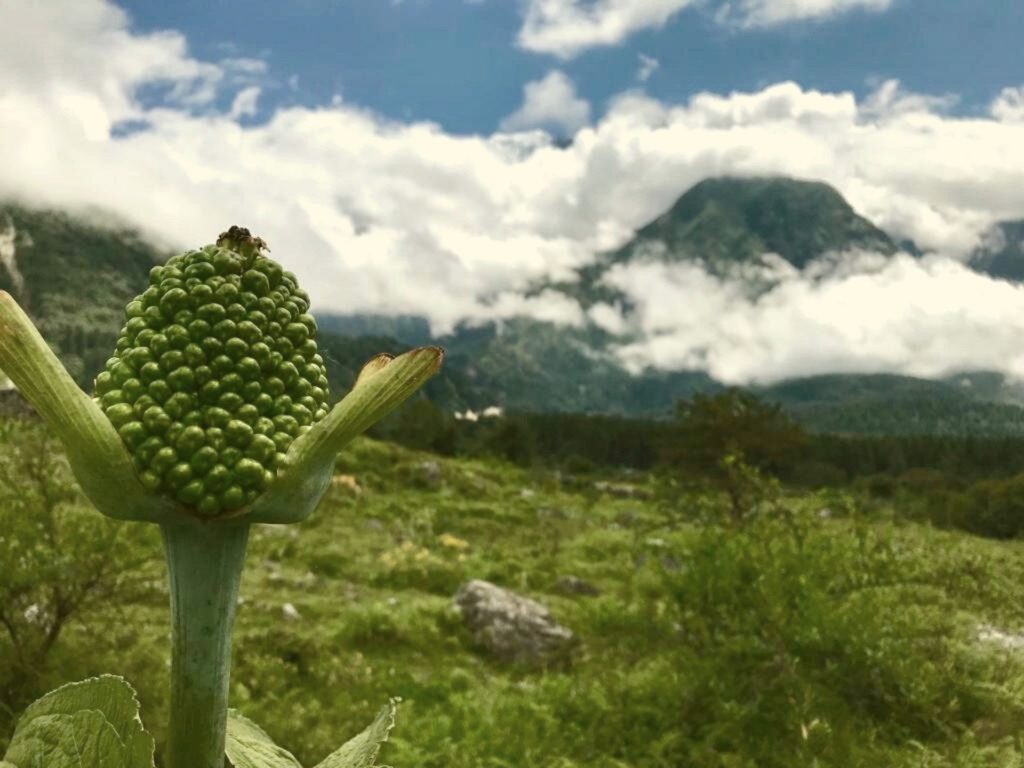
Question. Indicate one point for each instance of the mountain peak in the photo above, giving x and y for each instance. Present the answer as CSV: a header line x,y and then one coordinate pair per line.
x,y
732,219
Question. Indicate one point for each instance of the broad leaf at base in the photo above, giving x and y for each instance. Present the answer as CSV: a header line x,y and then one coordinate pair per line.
x,y
361,752
92,724
248,746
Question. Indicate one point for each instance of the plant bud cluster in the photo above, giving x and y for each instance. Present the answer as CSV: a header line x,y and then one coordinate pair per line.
x,y
215,373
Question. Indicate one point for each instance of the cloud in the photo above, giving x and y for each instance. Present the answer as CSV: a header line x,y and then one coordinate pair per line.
x,y
383,216
648,66
565,28
921,318
244,103
890,99
550,102
769,13
1008,106
80,61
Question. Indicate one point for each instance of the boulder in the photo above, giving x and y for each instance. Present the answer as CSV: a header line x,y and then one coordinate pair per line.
x,y
513,628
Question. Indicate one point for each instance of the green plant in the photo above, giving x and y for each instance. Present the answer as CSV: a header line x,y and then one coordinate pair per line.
x,y
209,417
58,561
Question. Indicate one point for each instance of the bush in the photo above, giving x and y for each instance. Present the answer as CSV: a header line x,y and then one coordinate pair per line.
x,y
995,508
807,643
59,559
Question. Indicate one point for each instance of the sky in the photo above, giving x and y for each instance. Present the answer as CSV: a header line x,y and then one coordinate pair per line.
x,y
463,64
437,157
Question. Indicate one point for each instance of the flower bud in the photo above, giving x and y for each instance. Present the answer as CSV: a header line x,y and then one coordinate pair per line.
x,y
214,374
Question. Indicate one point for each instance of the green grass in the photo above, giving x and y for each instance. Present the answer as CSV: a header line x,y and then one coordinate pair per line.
x,y
796,640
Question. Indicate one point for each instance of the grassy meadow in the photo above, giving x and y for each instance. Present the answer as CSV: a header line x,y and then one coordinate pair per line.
x,y
822,629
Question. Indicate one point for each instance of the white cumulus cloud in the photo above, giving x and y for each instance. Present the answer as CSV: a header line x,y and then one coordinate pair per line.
x,y
1009,105
921,318
565,28
768,13
550,102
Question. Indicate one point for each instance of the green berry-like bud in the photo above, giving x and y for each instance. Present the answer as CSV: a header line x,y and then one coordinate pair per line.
x,y
214,374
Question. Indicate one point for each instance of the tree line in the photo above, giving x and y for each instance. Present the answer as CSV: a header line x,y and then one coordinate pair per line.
x,y
970,483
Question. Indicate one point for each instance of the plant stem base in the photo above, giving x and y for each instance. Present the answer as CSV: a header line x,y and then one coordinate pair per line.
x,y
204,566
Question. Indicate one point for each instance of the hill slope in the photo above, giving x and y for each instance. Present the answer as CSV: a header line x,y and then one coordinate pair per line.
x,y
886,404
73,279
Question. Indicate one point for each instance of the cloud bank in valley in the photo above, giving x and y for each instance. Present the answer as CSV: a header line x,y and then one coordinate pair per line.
x,y
382,216
928,318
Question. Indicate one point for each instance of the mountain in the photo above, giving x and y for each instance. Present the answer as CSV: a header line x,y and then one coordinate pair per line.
x,y
452,388
74,278
528,365
731,220
1001,253
408,329
727,223
723,223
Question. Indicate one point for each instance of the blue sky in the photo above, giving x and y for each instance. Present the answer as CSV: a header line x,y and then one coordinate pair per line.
x,y
458,63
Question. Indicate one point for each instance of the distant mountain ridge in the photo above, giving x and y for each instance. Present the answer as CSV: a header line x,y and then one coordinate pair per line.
x,y
1001,254
74,279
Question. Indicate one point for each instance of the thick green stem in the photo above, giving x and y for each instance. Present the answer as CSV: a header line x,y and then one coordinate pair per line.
x,y
204,566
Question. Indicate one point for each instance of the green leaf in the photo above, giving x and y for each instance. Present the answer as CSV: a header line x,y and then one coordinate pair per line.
x,y
383,385
95,451
248,746
82,740
114,698
91,724
361,752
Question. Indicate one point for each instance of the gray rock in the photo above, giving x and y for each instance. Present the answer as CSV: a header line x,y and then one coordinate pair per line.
x,y
572,585
622,490
431,472
513,628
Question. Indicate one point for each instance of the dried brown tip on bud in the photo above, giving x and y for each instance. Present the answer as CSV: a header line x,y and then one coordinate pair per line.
x,y
240,240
